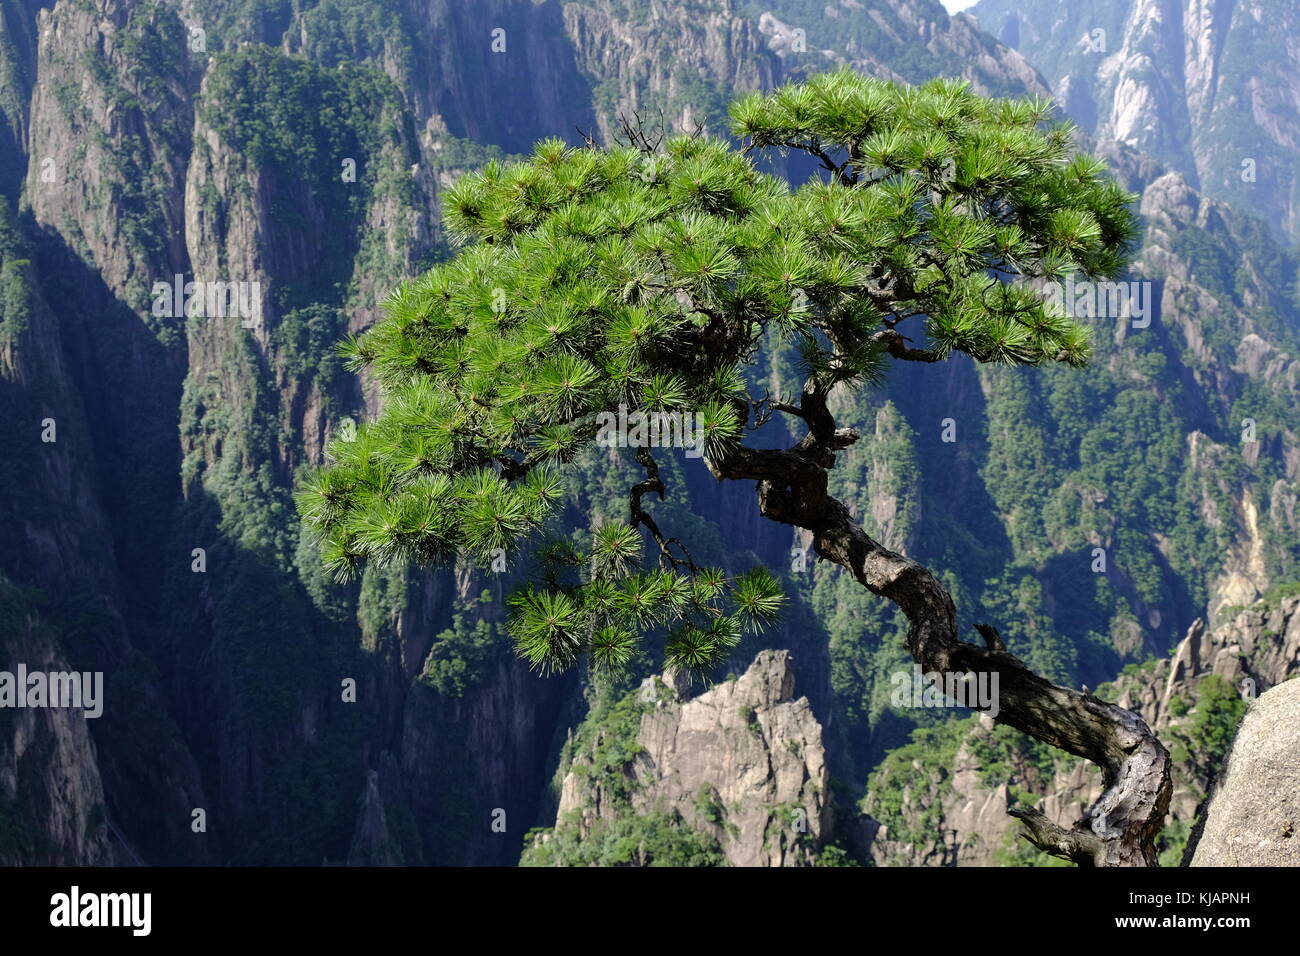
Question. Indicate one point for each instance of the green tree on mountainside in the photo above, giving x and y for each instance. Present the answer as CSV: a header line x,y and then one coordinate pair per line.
x,y
648,276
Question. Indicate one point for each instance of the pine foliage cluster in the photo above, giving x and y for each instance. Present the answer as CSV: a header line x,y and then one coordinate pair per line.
x,y
594,277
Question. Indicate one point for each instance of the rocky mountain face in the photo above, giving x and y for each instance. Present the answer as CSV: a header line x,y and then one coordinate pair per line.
x,y
51,793
1208,87
147,528
741,768
1252,816
1238,341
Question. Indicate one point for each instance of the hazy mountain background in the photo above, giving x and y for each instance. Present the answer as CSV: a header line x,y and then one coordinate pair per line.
x,y
211,138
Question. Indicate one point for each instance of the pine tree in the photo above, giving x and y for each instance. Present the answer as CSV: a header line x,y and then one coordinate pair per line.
x,y
648,275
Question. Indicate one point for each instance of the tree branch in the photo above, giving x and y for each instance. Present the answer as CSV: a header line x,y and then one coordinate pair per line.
x,y
896,344
652,482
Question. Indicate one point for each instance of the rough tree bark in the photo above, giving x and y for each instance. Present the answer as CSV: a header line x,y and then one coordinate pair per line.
x,y
1121,827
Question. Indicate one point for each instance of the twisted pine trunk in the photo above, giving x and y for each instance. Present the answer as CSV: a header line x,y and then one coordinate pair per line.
x,y
1121,827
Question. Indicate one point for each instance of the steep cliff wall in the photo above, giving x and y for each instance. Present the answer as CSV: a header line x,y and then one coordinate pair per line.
x,y
1209,87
